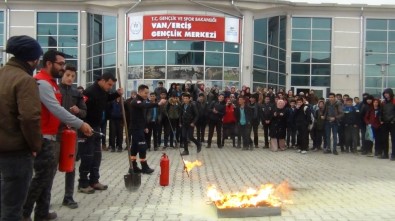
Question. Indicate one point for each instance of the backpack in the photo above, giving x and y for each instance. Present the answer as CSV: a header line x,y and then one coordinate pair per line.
x,y
310,118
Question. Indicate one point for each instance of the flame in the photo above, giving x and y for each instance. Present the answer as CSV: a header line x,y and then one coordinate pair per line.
x,y
190,165
267,195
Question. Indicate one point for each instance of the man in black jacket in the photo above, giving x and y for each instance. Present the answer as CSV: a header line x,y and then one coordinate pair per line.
x,y
216,112
188,118
202,121
253,105
388,122
243,122
266,112
97,98
138,125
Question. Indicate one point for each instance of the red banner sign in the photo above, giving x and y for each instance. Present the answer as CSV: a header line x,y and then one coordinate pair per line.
x,y
183,27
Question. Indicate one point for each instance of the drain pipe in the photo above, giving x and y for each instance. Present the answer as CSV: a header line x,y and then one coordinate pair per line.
x,y
125,61
241,42
216,9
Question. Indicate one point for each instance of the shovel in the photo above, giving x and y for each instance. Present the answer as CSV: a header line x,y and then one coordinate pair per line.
x,y
132,180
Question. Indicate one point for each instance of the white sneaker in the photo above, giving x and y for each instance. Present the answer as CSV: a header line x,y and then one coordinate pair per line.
x,y
298,151
303,152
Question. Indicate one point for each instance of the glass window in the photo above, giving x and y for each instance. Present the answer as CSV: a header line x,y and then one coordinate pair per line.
x,y
97,74
391,59
302,57
97,49
282,55
70,52
300,45
155,58
321,69
376,35
68,29
214,59
301,22
231,60
259,76
135,58
281,79
260,30
281,67
110,70
318,57
274,31
300,81
47,17
372,70
109,60
300,69
97,62
391,24
68,17
380,47
376,92
214,46
260,49
231,47
391,36
322,23
110,27
273,78
155,45
378,24
273,52
260,62
273,65
301,34
46,30
320,81
47,41
135,46
109,47
186,45
89,63
321,46
322,35
373,82
66,41
184,57
1,16
376,58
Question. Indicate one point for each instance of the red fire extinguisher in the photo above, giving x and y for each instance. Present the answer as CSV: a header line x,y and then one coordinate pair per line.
x,y
164,170
67,150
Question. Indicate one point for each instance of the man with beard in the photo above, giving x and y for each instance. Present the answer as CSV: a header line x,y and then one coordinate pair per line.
x,y
20,131
98,97
52,114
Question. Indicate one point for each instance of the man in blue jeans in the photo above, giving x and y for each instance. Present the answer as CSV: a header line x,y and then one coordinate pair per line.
x,y
20,131
332,114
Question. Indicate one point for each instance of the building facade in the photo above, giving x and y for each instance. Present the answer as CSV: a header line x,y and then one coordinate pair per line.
x,y
280,44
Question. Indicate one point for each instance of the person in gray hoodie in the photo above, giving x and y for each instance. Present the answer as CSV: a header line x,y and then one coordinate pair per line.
x,y
333,113
388,122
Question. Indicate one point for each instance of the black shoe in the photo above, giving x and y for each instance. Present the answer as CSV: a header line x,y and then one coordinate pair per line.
x,y
364,153
119,150
156,148
392,158
238,146
136,169
112,150
335,152
50,216
199,147
383,157
145,168
185,153
327,151
208,146
220,146
245,148
70,203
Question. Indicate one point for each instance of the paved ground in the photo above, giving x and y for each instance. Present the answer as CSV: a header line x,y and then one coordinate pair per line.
x,y
325,187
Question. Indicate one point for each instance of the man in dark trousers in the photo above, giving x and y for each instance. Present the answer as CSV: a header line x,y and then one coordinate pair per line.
x,y
266,112
73,101
138,125
52,114
216,112
98,97
188,118
388,123
20,131
253,105
302,121
243,122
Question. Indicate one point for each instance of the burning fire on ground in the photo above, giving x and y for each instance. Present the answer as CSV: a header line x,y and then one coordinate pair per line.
x,y
190,165
267,195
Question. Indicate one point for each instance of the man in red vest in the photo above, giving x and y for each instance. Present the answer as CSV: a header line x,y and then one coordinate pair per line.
x,y
52,113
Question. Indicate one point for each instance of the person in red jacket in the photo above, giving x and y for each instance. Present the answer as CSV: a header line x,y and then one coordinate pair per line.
x,y
52,113
372,119
229,122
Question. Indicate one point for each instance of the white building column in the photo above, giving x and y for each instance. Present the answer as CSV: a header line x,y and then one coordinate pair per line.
x,y
247,49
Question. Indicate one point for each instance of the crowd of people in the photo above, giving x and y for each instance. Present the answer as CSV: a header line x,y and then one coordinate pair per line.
x,y
35,110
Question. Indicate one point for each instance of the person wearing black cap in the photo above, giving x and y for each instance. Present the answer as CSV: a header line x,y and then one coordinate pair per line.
x,y
20,131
